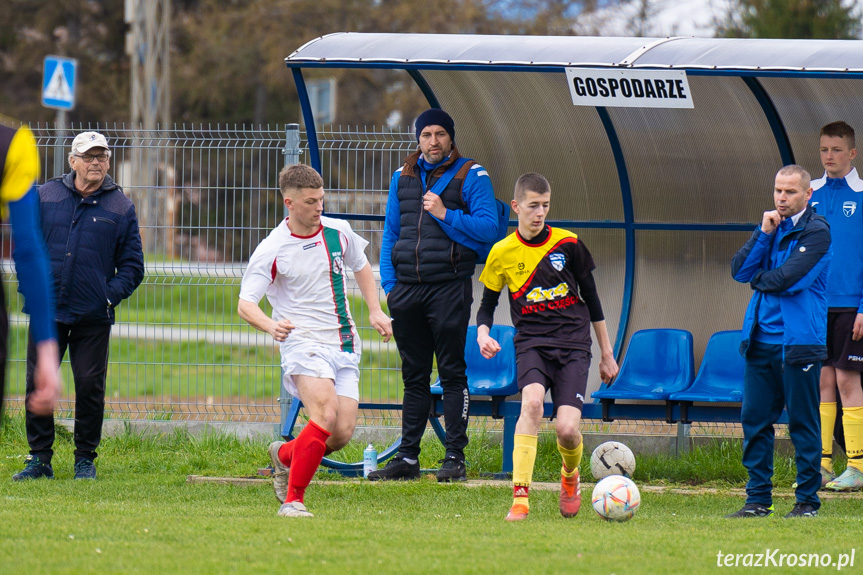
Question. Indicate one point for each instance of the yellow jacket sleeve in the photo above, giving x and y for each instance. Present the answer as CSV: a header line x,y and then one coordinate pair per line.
x,y
21,168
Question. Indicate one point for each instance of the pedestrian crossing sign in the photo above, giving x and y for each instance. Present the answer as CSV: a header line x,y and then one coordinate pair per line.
x,y
58,82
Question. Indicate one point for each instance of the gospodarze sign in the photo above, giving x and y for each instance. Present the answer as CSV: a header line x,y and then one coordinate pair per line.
x,y
629,88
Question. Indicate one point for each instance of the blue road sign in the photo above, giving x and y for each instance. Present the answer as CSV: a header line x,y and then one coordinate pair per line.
x,y
58,82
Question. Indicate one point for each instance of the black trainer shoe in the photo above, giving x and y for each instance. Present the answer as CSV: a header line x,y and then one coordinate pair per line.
x,y
34,469
453,469
802,510
396,468
85,469
752,510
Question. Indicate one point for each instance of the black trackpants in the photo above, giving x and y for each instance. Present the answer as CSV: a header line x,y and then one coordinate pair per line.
x,y
88,357
430,320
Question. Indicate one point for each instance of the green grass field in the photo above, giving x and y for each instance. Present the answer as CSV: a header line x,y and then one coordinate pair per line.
x,y
141,516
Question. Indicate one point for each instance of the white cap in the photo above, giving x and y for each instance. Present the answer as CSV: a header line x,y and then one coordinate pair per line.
x,y
86,140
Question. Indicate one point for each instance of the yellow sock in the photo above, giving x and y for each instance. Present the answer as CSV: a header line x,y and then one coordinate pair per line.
x,y
852,421
571,458
523,458
828,422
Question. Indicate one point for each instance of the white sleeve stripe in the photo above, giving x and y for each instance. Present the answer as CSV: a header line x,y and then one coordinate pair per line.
x,y
482,173
399,170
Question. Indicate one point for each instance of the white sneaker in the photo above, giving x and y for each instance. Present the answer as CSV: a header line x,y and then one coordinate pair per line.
x,y
280,471
294,509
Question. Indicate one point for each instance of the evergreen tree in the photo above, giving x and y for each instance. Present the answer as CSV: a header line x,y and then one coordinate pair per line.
x,y
804,19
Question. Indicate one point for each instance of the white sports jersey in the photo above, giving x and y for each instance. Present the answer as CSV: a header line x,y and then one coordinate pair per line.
x,y
304,280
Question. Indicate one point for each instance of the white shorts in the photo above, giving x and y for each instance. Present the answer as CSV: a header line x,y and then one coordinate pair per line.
x,y
322,361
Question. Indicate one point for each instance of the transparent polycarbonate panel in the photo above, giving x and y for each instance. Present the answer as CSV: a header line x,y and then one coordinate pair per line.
x,y
514,123
737,53
711,164
683,281
453,49
806,104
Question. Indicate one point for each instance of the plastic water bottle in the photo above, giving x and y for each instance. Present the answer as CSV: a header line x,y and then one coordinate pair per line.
x,y
370,460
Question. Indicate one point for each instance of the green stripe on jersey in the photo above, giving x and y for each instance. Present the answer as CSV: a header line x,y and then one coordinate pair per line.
x,y
337,282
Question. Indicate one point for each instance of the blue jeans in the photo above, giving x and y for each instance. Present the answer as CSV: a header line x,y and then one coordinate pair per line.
x,y
769,384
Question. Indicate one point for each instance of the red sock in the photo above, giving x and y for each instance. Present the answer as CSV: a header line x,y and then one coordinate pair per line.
x,y
286,452
308,451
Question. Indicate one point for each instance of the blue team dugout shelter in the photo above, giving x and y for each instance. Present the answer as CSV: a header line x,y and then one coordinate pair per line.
x,y
661,152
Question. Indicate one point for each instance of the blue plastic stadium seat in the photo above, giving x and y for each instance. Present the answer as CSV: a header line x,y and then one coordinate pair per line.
x,y
658,362
492,377
720,378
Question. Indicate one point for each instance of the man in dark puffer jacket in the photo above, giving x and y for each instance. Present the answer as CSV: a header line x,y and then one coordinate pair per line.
x,y
431,243
97,261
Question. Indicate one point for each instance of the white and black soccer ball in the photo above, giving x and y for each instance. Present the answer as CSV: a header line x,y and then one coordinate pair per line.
x,y
612,458
616,498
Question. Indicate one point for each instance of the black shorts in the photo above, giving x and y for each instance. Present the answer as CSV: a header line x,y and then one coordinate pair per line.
x,y
842,351
563,371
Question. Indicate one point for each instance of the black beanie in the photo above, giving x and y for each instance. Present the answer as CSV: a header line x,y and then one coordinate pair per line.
x,y
435,117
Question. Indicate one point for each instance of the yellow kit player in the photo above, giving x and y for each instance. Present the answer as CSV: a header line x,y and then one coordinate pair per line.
x,y
553,302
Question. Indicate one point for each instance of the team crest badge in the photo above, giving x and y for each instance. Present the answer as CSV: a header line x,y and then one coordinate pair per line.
x,y
848,208
338,263
558,261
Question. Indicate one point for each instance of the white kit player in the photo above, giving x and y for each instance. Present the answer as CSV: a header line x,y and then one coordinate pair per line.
x,y
301,268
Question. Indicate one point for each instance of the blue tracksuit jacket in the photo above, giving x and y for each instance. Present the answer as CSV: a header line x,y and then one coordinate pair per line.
x,y
792,265
840,201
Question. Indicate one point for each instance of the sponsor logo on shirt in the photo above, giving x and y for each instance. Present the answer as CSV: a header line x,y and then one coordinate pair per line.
x,y
539,294
557,298
312,245
521,271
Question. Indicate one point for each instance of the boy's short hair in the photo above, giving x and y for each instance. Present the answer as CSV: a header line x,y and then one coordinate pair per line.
x,y
298,177
839,130
531,182
795,170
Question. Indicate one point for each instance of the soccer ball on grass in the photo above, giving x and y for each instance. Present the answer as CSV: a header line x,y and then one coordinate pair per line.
x,y
612,458
616,498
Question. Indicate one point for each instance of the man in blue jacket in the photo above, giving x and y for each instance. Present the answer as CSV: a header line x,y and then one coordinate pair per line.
x,y
95,253
786,261
837,196
431,243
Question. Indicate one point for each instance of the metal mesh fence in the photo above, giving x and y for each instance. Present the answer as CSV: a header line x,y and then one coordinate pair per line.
x,y
206,196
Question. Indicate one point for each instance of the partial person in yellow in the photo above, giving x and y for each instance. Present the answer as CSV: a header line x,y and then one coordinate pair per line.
x,y
19,202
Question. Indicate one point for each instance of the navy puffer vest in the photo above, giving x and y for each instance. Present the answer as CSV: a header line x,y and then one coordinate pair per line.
x,y
424,253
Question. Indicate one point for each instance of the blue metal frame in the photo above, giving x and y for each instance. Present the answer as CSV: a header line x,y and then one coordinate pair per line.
x,y
308,118
560,69
629,220
347,469
729,227
425,88
772,115
509,410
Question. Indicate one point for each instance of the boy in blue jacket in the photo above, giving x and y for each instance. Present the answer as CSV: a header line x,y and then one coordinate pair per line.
x,y
837,196
786,261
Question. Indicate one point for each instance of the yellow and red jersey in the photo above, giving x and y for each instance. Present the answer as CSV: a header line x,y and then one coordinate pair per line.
x,y
542,280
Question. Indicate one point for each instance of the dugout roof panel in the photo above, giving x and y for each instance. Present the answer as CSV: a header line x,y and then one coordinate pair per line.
x,y
674,191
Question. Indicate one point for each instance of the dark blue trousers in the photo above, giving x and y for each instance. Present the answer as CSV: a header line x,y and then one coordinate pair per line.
x,y
769,385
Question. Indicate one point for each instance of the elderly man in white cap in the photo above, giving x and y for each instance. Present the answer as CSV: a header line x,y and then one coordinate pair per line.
x,y
94,247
